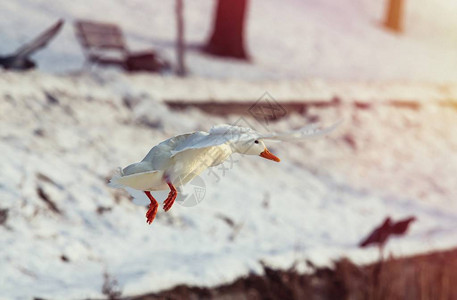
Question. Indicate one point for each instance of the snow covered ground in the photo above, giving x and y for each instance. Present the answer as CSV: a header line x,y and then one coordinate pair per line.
x,y
329,39
62,137
64,132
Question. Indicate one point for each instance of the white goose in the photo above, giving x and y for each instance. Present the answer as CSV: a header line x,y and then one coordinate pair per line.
x,y
179,159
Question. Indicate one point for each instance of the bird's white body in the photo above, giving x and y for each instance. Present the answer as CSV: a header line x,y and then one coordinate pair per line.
x,y
179,159
161,164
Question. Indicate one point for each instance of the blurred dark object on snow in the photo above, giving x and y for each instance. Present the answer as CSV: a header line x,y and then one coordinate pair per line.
x,y
227,38
111,287
21,60
380,234
104,44
46,199
3,216
425,276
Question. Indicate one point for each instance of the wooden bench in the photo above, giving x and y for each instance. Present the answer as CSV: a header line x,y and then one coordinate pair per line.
x,y
104,44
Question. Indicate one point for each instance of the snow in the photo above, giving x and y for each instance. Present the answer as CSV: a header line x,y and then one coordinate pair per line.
x,y
338,40
67,134
64,132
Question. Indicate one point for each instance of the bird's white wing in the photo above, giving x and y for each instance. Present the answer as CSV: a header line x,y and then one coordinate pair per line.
x,y
198,140
222,134
217,135
309,131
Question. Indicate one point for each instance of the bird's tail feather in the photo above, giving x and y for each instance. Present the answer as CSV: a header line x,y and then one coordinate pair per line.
x,y
143,181
114,181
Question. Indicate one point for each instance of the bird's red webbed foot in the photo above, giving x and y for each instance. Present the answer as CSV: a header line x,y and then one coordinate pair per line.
x,y
153,207
168,203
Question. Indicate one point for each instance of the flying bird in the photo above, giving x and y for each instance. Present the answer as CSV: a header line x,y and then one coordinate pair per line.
x,y
177,160
380,234
20,60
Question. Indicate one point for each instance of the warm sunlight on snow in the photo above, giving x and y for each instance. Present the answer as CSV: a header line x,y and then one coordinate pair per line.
x,y
87,87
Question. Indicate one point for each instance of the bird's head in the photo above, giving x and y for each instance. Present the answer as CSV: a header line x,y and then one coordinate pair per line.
x,y
255,147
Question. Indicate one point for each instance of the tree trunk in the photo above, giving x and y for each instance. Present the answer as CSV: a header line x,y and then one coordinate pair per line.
x,y
227,38
181,69
394,16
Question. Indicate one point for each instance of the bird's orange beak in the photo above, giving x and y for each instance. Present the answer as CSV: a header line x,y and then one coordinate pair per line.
x,y
268,155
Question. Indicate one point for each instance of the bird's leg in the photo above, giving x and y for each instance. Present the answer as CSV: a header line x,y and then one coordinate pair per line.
x,y
151,214
168,203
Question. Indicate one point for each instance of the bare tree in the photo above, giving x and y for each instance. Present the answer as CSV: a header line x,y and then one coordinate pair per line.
x,y
394,15
227,38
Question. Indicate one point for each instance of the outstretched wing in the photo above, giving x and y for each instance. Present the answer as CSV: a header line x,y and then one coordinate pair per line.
x,y
40,41
218,135
222,134
199,140
309,131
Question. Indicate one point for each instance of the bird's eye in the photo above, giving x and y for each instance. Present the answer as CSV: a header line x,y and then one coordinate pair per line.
x,y
256,141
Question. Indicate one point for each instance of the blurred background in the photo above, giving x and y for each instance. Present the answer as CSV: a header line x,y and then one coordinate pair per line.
x,y
87,87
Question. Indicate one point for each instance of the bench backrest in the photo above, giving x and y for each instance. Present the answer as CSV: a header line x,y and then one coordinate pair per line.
x,y
99,36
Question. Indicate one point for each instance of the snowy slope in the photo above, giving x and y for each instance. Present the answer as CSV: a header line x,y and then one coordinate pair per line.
x,y
294,38
61,138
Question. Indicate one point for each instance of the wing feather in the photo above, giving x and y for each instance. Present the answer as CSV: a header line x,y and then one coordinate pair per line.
x,y
309,131
218,135
222,134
